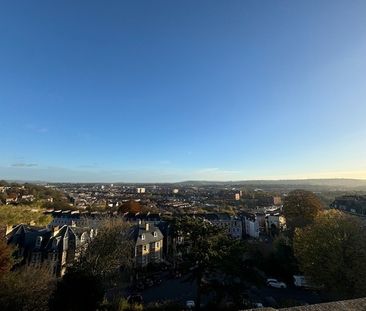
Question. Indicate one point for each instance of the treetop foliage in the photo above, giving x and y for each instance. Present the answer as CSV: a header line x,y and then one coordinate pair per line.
x,y
300,209
332,252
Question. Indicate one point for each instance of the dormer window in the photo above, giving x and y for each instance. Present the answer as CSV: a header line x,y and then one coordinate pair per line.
x,y
155,234
38,241
56,241
83,238
142,236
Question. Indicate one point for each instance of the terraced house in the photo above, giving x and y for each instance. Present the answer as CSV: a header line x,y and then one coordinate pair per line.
x,y
148,244
55,248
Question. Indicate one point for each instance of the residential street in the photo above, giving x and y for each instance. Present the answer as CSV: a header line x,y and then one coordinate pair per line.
x,y
177,289
171,289
281,295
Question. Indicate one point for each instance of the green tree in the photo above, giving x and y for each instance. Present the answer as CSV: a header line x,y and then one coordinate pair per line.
x,y
78,290
201,250
2,198
281,262
332,252
237,269
300,209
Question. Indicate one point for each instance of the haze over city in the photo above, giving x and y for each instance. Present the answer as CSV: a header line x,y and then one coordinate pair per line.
x,y
165,91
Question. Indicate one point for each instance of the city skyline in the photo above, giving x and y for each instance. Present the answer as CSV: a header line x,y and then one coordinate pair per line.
x,y
169,91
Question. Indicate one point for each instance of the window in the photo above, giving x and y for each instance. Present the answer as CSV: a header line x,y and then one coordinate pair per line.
x,y
155,234
38,241
142,236
84,238
55,242
145,248
157,245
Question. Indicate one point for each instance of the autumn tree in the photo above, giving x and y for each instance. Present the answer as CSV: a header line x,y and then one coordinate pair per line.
x,y
332,252
131,206
6,259
300,209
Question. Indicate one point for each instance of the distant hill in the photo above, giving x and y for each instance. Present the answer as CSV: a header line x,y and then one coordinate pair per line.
x,y
334,184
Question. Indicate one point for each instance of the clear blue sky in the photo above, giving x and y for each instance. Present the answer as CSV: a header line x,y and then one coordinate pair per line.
x,y
176,90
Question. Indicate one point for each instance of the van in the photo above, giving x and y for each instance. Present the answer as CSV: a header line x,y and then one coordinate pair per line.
x,y
300,281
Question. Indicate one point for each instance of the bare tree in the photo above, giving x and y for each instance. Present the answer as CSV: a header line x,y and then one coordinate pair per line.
x,y
27,289
111,251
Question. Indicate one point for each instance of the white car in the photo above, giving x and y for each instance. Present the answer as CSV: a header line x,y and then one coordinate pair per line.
x,y
190,304
275,283
271,280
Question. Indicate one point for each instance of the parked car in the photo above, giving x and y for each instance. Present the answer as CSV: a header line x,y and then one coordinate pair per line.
x,y
301,281
257,305
275,283
271,280
190,304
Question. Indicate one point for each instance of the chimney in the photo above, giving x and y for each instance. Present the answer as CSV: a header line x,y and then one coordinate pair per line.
x,y
147,226
55,230
7,230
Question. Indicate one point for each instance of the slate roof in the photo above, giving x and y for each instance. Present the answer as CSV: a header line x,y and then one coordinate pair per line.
x,y
138,230
214,216
25,236
65,231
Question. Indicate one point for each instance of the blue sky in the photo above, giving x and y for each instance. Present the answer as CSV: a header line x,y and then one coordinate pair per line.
x,y
174,90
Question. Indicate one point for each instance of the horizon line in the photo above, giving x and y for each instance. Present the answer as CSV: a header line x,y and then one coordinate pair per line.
x,y
185,181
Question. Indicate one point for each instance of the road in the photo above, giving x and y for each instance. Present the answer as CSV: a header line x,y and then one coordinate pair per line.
x,y
171,289
180,290
281,295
